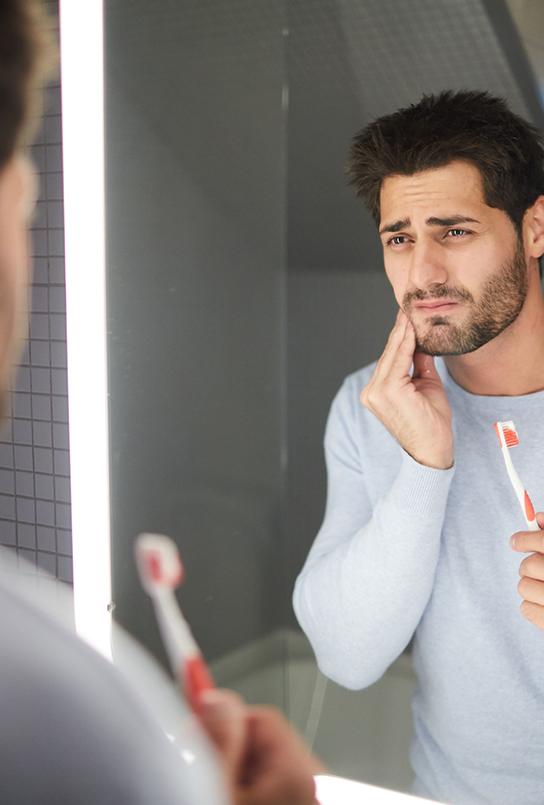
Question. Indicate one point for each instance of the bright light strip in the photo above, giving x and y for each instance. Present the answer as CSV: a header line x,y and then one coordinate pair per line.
x,y
331,790
82,84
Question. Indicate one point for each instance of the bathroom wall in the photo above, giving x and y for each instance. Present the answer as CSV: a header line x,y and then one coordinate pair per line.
x,y
195,133
35,514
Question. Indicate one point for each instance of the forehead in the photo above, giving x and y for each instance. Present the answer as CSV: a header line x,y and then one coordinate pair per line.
x,y
456,186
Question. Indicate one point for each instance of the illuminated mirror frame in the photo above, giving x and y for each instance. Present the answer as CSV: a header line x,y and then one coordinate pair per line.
x,y
82,87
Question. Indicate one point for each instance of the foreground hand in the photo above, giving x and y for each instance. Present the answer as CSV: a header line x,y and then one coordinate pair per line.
x,y
531,570
266,763
414,408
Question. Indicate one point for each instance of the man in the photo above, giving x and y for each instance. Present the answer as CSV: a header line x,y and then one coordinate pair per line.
x,y
72,731
417,536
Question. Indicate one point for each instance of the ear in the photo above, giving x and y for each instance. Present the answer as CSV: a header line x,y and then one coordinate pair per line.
x,y
533,229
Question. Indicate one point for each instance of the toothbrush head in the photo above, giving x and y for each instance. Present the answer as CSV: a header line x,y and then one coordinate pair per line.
x,y
509,432
159,563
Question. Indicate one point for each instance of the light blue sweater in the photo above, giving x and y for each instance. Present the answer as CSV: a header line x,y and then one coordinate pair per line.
x,y
407,549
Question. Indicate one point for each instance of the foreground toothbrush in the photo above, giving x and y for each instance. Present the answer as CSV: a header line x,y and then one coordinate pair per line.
x,y
161,571
508,438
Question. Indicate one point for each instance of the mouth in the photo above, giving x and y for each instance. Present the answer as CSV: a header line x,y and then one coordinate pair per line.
x,y
436,306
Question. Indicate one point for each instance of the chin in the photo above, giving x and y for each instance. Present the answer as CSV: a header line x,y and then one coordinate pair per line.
x,y
441,351
437,341
434,351
438,345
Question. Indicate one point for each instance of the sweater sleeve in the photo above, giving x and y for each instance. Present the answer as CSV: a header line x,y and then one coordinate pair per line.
x,y
370,571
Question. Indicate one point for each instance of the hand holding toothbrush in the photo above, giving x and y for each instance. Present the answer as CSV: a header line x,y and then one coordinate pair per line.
x,y
413,407
531,570
265,762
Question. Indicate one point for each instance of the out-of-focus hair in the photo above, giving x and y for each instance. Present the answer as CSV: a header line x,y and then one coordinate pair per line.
x,y
27,59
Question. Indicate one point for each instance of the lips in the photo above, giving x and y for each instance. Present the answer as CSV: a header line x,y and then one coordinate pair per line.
x,y
436,306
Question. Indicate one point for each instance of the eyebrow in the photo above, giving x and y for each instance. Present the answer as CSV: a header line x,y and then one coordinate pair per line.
x,y
453,220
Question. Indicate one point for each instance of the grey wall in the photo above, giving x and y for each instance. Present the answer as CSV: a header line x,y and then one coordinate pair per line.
x,y
195,254
35,515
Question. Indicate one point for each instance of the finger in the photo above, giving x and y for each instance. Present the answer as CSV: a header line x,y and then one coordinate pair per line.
x,y
395,337
528,541
531,590
397,327
533,567
273,737
404,355
394,363
399,352
223,716
533,613
382,366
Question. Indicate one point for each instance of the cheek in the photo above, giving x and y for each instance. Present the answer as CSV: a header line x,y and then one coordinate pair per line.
x,y
13,268
474,266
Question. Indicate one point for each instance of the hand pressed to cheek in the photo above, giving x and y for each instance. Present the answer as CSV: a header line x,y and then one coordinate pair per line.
x,y
531,570
413,407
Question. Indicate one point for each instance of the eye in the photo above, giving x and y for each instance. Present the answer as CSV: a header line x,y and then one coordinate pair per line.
x,y
397,240
457,233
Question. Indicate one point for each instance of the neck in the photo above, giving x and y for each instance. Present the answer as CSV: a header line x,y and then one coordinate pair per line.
x,y
512,363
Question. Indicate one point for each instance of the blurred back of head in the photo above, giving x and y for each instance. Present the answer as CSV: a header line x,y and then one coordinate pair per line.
x,y
26,59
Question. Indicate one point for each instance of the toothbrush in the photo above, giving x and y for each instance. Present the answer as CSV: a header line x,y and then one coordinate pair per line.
x,y
161,571
508,438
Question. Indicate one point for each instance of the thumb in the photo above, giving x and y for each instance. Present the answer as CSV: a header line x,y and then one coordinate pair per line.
x,y
223,716
540,519
424,366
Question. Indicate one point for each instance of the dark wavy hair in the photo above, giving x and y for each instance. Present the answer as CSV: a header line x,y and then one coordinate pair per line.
x,y
27,58
473,126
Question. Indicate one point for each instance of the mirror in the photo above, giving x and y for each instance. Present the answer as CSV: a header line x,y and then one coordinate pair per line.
x,y
244,283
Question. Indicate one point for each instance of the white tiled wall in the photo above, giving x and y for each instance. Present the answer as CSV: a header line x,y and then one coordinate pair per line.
x,y
35,516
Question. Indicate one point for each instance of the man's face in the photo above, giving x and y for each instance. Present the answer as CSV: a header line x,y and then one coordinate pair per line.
x,y
456,265
16,192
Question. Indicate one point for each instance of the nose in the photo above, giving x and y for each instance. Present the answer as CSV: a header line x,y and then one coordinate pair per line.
x,y
427,266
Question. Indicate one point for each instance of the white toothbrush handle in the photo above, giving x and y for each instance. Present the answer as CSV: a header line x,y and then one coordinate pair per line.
x,y
521,492
175,632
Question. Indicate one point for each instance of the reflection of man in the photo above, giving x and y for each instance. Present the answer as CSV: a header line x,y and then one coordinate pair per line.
x,y
420,512
72,731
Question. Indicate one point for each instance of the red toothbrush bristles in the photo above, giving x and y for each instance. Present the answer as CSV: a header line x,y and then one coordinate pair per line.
x,y
160,572
510,437
510,434
154,566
